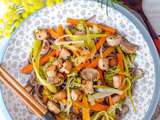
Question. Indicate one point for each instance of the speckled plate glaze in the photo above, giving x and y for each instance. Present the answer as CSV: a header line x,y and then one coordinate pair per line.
x,y
21,43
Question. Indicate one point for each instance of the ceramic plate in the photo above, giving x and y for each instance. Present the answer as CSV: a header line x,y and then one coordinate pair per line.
x,y
20,45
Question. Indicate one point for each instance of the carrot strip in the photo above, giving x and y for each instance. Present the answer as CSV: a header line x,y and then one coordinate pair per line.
x,y
120,61
100,42
99,107
60,30
81,66
94,63
28,68
110,100
108,51
107,29
85,111
72,21
53,33
113,62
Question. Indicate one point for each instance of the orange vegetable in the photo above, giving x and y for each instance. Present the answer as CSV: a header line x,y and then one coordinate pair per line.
x,y
45,99
28,68
107,29
81,66
53,33
100,43
85,111
99,107
60,30
108,51
110,100
73,21
120,61
94,63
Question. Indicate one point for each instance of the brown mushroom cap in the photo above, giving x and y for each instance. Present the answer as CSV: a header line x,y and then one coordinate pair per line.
x,y
90,74
128,47
87,87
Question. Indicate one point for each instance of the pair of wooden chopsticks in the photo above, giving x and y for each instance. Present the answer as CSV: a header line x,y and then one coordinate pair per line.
x,y
37,108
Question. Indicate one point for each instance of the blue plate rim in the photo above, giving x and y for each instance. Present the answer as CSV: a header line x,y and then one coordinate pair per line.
x,y
152,48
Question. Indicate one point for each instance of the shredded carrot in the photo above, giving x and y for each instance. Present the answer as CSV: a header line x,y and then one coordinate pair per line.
x,y
45,99
100,43
120,61
82,65
72,21
28,68
107,29
110,100
99,107
53,33
93,63
85,111
60,30
108,51
101,75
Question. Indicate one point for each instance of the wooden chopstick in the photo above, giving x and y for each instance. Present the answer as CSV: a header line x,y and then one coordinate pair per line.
x,y
7,79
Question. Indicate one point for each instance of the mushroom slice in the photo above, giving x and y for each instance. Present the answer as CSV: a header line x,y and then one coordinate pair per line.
x,y
90,74
58,63
41,34
60,96
117,80
57,80
87,87
103,63
64,54
51,71
114,40
53,107
128,47
67,67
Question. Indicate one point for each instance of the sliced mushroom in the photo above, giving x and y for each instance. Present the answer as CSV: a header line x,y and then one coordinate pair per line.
x,y
53,107
114,40
58,63
51,71
60,96
64,54
87,86
117,80
137,73
57,80
128,47
41,34
103,64
75,94
90,74
45,47
67,67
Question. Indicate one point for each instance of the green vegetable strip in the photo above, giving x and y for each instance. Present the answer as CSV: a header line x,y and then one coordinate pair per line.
x,y
35,61
69,100
131,99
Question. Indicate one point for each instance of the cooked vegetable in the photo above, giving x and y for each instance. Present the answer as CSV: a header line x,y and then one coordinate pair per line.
x,y
82,71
